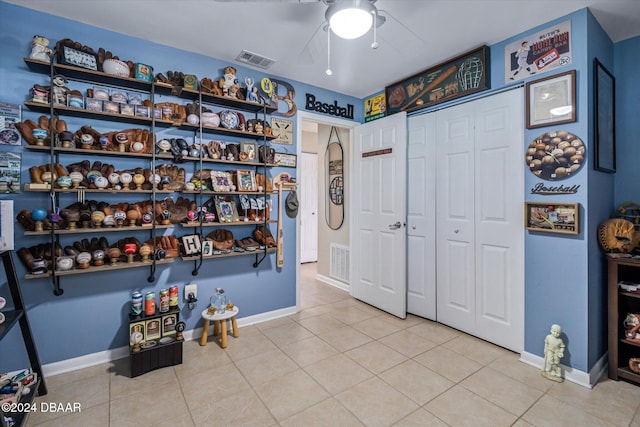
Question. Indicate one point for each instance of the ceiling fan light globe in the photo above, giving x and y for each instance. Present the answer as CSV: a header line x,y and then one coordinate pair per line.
x,y
350,23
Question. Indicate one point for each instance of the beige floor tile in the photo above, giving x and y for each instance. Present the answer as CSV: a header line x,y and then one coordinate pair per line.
x,y
308,351
407,343
289,394
87,392
376,356
476,349
311,312
243,408
81,374
350,315
322,323
96,416
375,403
248,346
418,383
266,366
281,321
287,334
377,327
522,423
196,358
420,418
208,386
460,407
329,412
511,366
406,323
122,386
448,363
345,303
338,373
551,412
435,332
157,406
345,338
504,391
610,400
636,420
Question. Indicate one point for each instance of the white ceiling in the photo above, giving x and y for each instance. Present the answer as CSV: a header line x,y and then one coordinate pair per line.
x,y
418,34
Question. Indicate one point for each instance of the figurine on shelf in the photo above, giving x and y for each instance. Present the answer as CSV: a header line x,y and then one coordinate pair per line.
x,y
40,49
553,353
60,90
229,79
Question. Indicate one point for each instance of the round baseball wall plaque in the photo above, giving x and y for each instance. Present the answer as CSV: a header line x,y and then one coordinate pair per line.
x,y
555,155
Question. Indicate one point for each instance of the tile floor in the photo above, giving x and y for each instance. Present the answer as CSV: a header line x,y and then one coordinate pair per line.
x,y
338,362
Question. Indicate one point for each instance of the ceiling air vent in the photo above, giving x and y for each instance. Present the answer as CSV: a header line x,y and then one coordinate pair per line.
x,y
255,60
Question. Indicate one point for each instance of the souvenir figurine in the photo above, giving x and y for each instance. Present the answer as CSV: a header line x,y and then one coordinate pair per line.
x,y
553,353
40,49
59,90
228,80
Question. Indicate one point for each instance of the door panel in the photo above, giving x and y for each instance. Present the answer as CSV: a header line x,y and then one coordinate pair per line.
x,y
379,167
421,216
309,207
455,218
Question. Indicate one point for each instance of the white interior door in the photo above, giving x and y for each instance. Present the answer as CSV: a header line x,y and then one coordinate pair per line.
x,y
480,240
378,214
421,213
308,198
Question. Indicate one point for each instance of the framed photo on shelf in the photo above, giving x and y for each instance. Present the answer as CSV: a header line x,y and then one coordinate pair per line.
x,y
138,327
153,329
285,160
226,209
169,324
221,181
560,218
207,248
604,118
551,100
250,148
246,180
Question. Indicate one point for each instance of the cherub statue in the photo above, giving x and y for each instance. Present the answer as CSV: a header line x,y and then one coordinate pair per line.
x,y
553,353
40,48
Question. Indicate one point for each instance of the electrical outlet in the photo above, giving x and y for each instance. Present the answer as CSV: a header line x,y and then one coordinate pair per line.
x,y
190,289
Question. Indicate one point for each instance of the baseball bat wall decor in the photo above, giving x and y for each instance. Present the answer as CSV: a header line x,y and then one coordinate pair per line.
x,y
280,247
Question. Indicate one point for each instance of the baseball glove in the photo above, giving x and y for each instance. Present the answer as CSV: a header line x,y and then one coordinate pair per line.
x,y
222,239
263,235
618,235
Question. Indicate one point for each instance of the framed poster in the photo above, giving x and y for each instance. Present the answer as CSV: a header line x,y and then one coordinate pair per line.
x,y
539,52
9,172
551,100
10,114
375,107
605,117
460,76
282,129
552,217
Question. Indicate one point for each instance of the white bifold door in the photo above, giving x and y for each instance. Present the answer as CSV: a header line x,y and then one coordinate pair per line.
x,y
471,216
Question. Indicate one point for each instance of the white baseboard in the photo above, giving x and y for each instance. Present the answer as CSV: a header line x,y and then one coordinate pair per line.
x,y
110,355
585,379
333,282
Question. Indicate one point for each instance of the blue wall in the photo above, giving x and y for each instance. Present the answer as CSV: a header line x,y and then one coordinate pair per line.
x,y
91,315
625,69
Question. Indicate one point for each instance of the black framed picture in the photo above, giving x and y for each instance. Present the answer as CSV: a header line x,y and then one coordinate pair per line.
x,y
604,118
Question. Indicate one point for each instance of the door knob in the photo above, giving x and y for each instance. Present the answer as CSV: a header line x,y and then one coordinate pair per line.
x,y
456,231
413,227
395,226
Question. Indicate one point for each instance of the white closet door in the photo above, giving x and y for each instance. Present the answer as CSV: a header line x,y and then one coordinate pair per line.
x,y
499,201
421,216
308,195
455,217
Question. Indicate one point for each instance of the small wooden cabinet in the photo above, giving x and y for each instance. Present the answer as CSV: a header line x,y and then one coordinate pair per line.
x,y
165,351
620,304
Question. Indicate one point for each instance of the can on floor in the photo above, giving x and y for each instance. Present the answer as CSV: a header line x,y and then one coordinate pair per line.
x,y
150,303
136,303
164,301
173,297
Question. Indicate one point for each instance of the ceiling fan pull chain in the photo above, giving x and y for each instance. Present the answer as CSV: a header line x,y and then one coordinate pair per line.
x,y
375,45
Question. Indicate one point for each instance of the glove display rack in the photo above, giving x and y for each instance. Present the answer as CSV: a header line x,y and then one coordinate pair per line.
x,y
199,131
624,341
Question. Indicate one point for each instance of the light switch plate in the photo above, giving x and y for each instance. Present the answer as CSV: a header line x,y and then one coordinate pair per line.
x,y
190,289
